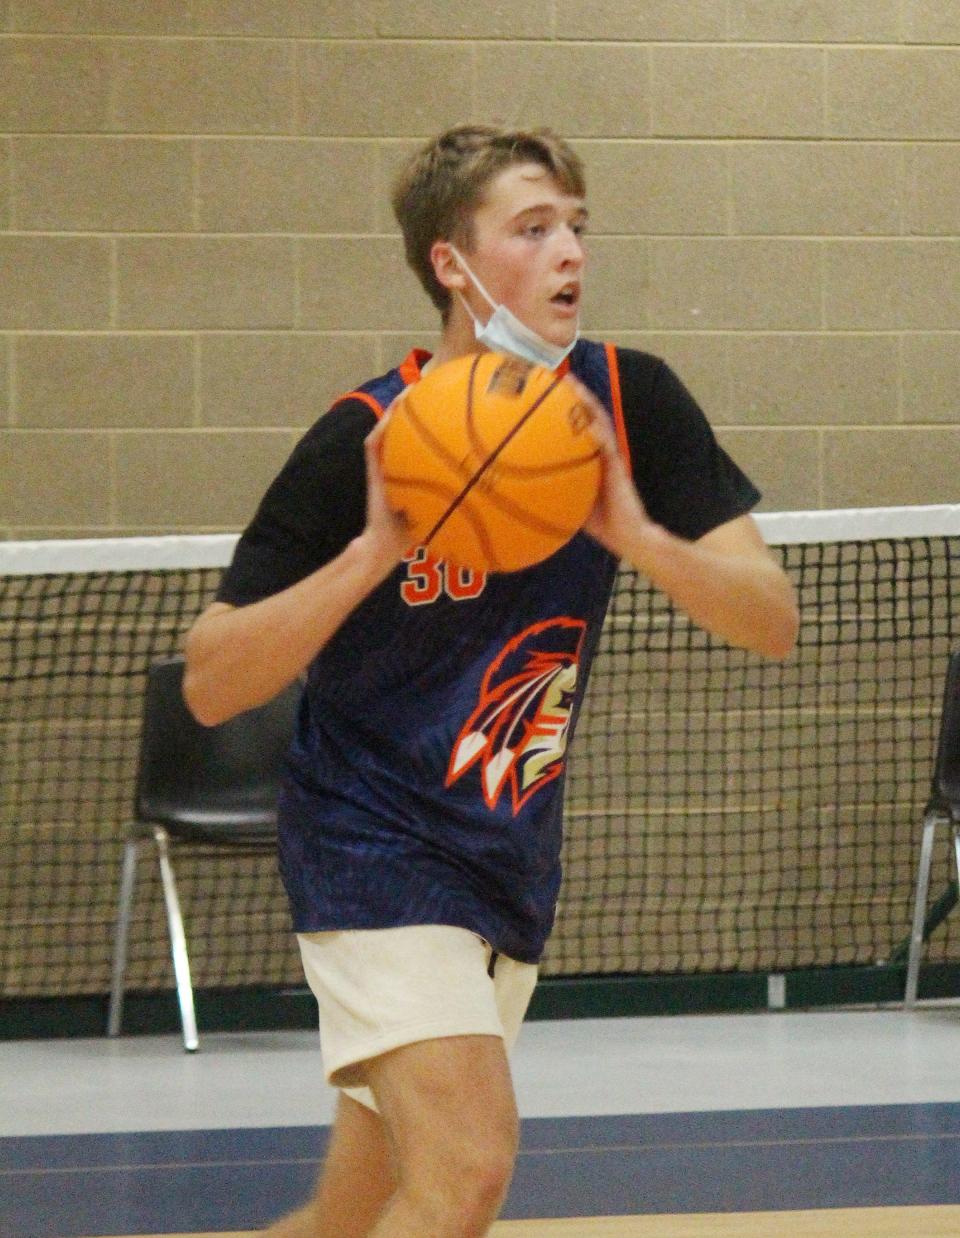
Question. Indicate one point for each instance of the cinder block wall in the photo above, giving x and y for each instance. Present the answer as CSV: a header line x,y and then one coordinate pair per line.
x,y
197,252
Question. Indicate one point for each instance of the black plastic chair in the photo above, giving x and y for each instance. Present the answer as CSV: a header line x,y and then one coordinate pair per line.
x,y
943,808
212,788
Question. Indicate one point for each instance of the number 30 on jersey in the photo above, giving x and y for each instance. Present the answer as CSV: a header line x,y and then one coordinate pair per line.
x,y
427,578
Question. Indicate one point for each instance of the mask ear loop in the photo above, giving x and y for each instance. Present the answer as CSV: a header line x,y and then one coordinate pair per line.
x,y
477,324
476,283
505,332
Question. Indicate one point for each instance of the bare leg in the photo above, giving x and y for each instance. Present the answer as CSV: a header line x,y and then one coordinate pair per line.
x,y
357,1179
451,1118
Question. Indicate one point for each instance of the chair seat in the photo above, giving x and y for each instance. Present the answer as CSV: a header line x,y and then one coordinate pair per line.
x,y
223,820
225,828
234,832
943,807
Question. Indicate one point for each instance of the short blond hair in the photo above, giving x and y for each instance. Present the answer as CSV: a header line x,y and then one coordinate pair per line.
x,y
438,191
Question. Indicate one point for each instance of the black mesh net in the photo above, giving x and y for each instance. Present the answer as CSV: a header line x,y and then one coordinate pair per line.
x,y
74,651
723,813
727,813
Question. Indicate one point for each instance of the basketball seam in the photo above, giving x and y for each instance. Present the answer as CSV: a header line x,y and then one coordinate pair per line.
x,y
441,449
472,517
519,470
532,470
511,508
500,501
472,482
545,470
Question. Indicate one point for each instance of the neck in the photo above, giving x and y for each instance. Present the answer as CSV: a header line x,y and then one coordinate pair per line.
x,y
457,338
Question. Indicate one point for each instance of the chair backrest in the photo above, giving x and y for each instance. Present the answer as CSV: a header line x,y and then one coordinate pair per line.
x,y
946,777
220,783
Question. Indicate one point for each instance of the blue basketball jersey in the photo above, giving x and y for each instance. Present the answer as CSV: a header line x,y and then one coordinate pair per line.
x,y
426,776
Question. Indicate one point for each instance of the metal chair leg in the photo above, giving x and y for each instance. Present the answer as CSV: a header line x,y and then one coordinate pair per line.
x,y
178,942
956,851
121,937
919,911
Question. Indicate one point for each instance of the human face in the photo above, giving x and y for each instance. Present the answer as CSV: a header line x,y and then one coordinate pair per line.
x,y
528,251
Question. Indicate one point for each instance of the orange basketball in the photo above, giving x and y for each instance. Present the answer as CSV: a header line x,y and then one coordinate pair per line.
x,y
492,462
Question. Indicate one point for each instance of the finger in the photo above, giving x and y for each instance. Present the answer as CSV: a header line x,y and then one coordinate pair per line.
x,y
602,431
584,394
600,426
379,508
375,437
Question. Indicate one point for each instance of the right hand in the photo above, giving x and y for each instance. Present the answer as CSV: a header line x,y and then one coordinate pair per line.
x,y
386,531
618,516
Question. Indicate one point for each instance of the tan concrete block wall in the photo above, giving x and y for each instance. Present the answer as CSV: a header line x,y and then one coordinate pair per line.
x,y
103,184
197,253
166,283
5,370
5,177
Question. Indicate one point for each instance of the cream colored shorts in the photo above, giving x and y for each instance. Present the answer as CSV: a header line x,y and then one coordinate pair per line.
x,y
378,989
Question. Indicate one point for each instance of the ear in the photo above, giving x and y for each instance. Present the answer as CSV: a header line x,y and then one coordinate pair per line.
x,y
446,267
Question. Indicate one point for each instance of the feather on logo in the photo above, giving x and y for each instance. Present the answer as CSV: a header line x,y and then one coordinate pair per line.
x,y
518,731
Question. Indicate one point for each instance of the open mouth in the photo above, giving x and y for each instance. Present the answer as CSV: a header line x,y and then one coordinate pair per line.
x,y
568,296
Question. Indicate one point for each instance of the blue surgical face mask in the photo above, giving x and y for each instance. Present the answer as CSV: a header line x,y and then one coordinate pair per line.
x,y
504,332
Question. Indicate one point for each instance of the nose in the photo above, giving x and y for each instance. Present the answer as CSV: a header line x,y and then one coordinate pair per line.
x,y
571,253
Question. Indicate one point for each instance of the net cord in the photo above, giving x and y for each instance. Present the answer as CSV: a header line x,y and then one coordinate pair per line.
x,y
134,554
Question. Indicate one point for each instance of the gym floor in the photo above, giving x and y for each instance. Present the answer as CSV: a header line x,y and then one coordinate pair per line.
x,y
799,1123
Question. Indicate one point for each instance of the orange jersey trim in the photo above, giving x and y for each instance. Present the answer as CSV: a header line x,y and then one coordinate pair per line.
x,y
367,399
411,367
410,370
616,399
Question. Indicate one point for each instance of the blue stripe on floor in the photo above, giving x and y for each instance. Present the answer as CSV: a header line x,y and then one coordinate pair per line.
x,y
751,1160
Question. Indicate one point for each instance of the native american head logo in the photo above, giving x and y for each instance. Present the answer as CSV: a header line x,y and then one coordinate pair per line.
x,y
518,731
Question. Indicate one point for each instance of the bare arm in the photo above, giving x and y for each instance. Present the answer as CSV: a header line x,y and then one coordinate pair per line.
x,y
239,657
727,581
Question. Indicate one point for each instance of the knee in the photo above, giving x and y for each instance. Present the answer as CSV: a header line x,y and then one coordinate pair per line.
x,y
467,1183
477,1176
485,1173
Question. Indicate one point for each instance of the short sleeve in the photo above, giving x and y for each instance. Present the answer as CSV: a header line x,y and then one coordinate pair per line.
x,y
314,507
688,483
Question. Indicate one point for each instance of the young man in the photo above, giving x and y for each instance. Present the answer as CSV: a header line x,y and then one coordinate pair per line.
x,y
420,851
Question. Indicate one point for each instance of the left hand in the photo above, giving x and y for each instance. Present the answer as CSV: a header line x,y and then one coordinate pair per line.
x,y
726,580
618,515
